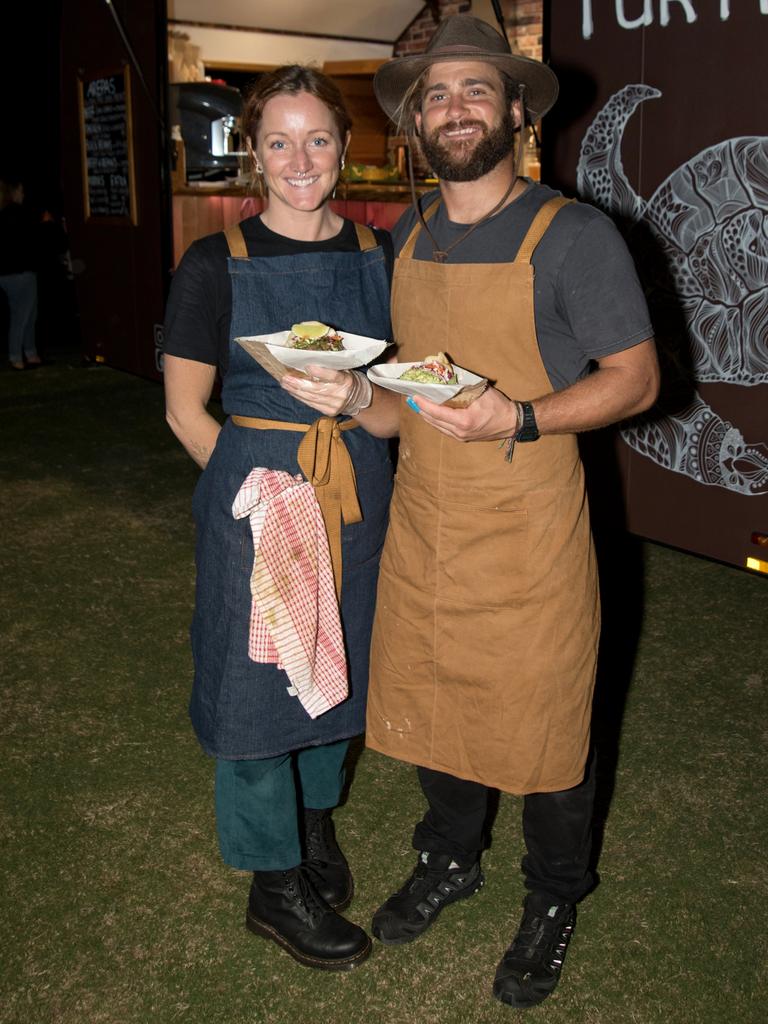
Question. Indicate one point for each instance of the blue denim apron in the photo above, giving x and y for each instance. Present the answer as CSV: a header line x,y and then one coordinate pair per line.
x,y
240,709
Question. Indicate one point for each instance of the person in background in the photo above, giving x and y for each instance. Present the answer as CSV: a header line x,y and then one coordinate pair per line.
x,y
280,748
18,279
57,316
487,620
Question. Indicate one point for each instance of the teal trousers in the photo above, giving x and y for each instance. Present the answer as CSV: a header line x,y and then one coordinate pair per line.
x,y
260,804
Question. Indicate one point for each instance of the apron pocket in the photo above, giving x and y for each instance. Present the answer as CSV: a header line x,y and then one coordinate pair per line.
x,y
481,555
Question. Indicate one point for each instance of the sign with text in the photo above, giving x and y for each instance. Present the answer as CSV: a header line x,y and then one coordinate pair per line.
x,y
106,141
660,125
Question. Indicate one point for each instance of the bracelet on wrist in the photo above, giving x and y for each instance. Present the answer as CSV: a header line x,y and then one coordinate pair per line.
x,y
360,395
508,443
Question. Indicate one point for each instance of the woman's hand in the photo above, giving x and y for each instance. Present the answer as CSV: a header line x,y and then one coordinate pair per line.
x,y
328,391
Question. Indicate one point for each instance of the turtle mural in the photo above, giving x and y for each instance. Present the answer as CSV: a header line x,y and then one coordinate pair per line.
x,y
701,245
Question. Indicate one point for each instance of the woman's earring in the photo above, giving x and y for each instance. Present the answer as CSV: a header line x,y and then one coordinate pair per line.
x,y
257,178
342,164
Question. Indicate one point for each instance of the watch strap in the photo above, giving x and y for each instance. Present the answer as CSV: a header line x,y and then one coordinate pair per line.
x,y
528,430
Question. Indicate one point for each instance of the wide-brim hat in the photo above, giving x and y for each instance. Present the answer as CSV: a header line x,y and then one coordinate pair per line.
x,y
462,37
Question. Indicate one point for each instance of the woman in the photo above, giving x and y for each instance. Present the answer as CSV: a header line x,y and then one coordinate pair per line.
x,y
17,274
279,771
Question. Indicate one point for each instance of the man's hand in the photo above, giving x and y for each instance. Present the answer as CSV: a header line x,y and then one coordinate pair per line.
x,y
490,417
623,385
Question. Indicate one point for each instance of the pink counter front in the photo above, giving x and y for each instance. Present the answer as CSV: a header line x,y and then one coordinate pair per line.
x,y
197,215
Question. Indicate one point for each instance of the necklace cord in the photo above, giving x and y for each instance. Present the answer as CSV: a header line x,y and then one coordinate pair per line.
x,y
440,255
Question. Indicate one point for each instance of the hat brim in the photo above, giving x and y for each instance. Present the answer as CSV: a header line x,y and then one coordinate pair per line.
x,y
392,80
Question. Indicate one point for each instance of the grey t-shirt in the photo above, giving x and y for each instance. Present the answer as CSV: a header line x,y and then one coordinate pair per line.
x,y
588,301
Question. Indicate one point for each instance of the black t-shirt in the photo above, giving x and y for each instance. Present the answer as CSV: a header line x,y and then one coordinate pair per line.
x,y
19,235
588,301
199,311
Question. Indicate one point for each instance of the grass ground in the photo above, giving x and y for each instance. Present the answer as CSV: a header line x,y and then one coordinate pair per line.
x,y
117,909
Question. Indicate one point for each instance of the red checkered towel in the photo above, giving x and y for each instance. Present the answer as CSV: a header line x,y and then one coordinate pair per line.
x,y
294,612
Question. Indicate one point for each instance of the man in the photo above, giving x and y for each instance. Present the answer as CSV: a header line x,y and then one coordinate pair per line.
x,y
484,648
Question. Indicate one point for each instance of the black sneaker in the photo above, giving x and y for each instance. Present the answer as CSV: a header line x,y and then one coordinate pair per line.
x,y
323,860
530,969
436,881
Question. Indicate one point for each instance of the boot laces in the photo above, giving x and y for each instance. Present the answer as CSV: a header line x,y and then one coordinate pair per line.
x,y
300,889
433,885
542,939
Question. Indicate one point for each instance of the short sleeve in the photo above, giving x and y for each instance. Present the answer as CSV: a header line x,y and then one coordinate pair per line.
x,y
599,292
196,306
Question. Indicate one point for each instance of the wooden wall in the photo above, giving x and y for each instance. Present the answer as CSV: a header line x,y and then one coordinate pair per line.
x,y
124,266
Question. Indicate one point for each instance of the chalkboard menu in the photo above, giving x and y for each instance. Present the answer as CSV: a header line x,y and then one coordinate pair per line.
x,y
106,138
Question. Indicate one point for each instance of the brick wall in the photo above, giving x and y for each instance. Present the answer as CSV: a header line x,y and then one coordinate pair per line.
x,y
420,31
523,19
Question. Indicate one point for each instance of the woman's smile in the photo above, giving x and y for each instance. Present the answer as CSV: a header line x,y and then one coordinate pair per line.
x,y
299,149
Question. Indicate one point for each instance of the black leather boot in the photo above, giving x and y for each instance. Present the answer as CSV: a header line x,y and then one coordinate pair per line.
x,y
285,906
324,862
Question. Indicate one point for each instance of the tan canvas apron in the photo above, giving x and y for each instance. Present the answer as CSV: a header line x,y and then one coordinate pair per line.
x,y
487,619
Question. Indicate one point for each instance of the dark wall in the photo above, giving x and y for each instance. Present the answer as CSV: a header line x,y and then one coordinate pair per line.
x,y
30,71
122,267
29,98
685,176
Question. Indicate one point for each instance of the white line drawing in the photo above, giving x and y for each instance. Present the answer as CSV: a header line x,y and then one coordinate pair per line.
x,y
701,245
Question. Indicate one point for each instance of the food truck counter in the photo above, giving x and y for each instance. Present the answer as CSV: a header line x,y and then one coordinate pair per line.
x,y
203,208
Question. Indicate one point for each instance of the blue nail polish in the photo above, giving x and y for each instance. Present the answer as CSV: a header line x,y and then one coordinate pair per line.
x,y
410,401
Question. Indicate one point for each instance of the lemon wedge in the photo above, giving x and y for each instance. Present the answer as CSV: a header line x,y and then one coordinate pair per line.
x,y
310,329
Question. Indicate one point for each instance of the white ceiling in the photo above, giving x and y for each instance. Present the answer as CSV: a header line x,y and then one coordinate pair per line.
x,y
350,19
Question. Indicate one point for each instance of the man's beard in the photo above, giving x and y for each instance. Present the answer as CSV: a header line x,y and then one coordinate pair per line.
x,y
478,160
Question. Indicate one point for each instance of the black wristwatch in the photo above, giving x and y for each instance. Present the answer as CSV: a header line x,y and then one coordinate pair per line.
x,y
528,430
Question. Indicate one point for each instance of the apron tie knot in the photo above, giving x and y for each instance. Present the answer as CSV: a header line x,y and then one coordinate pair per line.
x,y
324,460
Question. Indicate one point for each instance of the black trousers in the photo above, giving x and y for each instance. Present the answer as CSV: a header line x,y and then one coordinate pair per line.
x,y
557,828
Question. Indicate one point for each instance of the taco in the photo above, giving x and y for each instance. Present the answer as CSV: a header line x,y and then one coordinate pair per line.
x,y
434,370
314,336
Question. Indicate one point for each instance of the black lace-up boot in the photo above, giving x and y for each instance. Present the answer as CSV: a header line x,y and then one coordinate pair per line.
x,y
285,906
436,881
324,862
530,969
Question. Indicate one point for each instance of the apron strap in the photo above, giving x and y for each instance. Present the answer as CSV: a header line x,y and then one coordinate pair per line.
x,y
539,225
236,242
238,250
535,233
324,460
406,253
365,238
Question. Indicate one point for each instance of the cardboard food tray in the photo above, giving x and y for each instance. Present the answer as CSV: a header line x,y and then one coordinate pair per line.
x,y
259,351
453,396
466,396
276,357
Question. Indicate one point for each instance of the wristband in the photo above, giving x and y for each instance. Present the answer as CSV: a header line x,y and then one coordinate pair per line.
x,y
360,395
508,443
